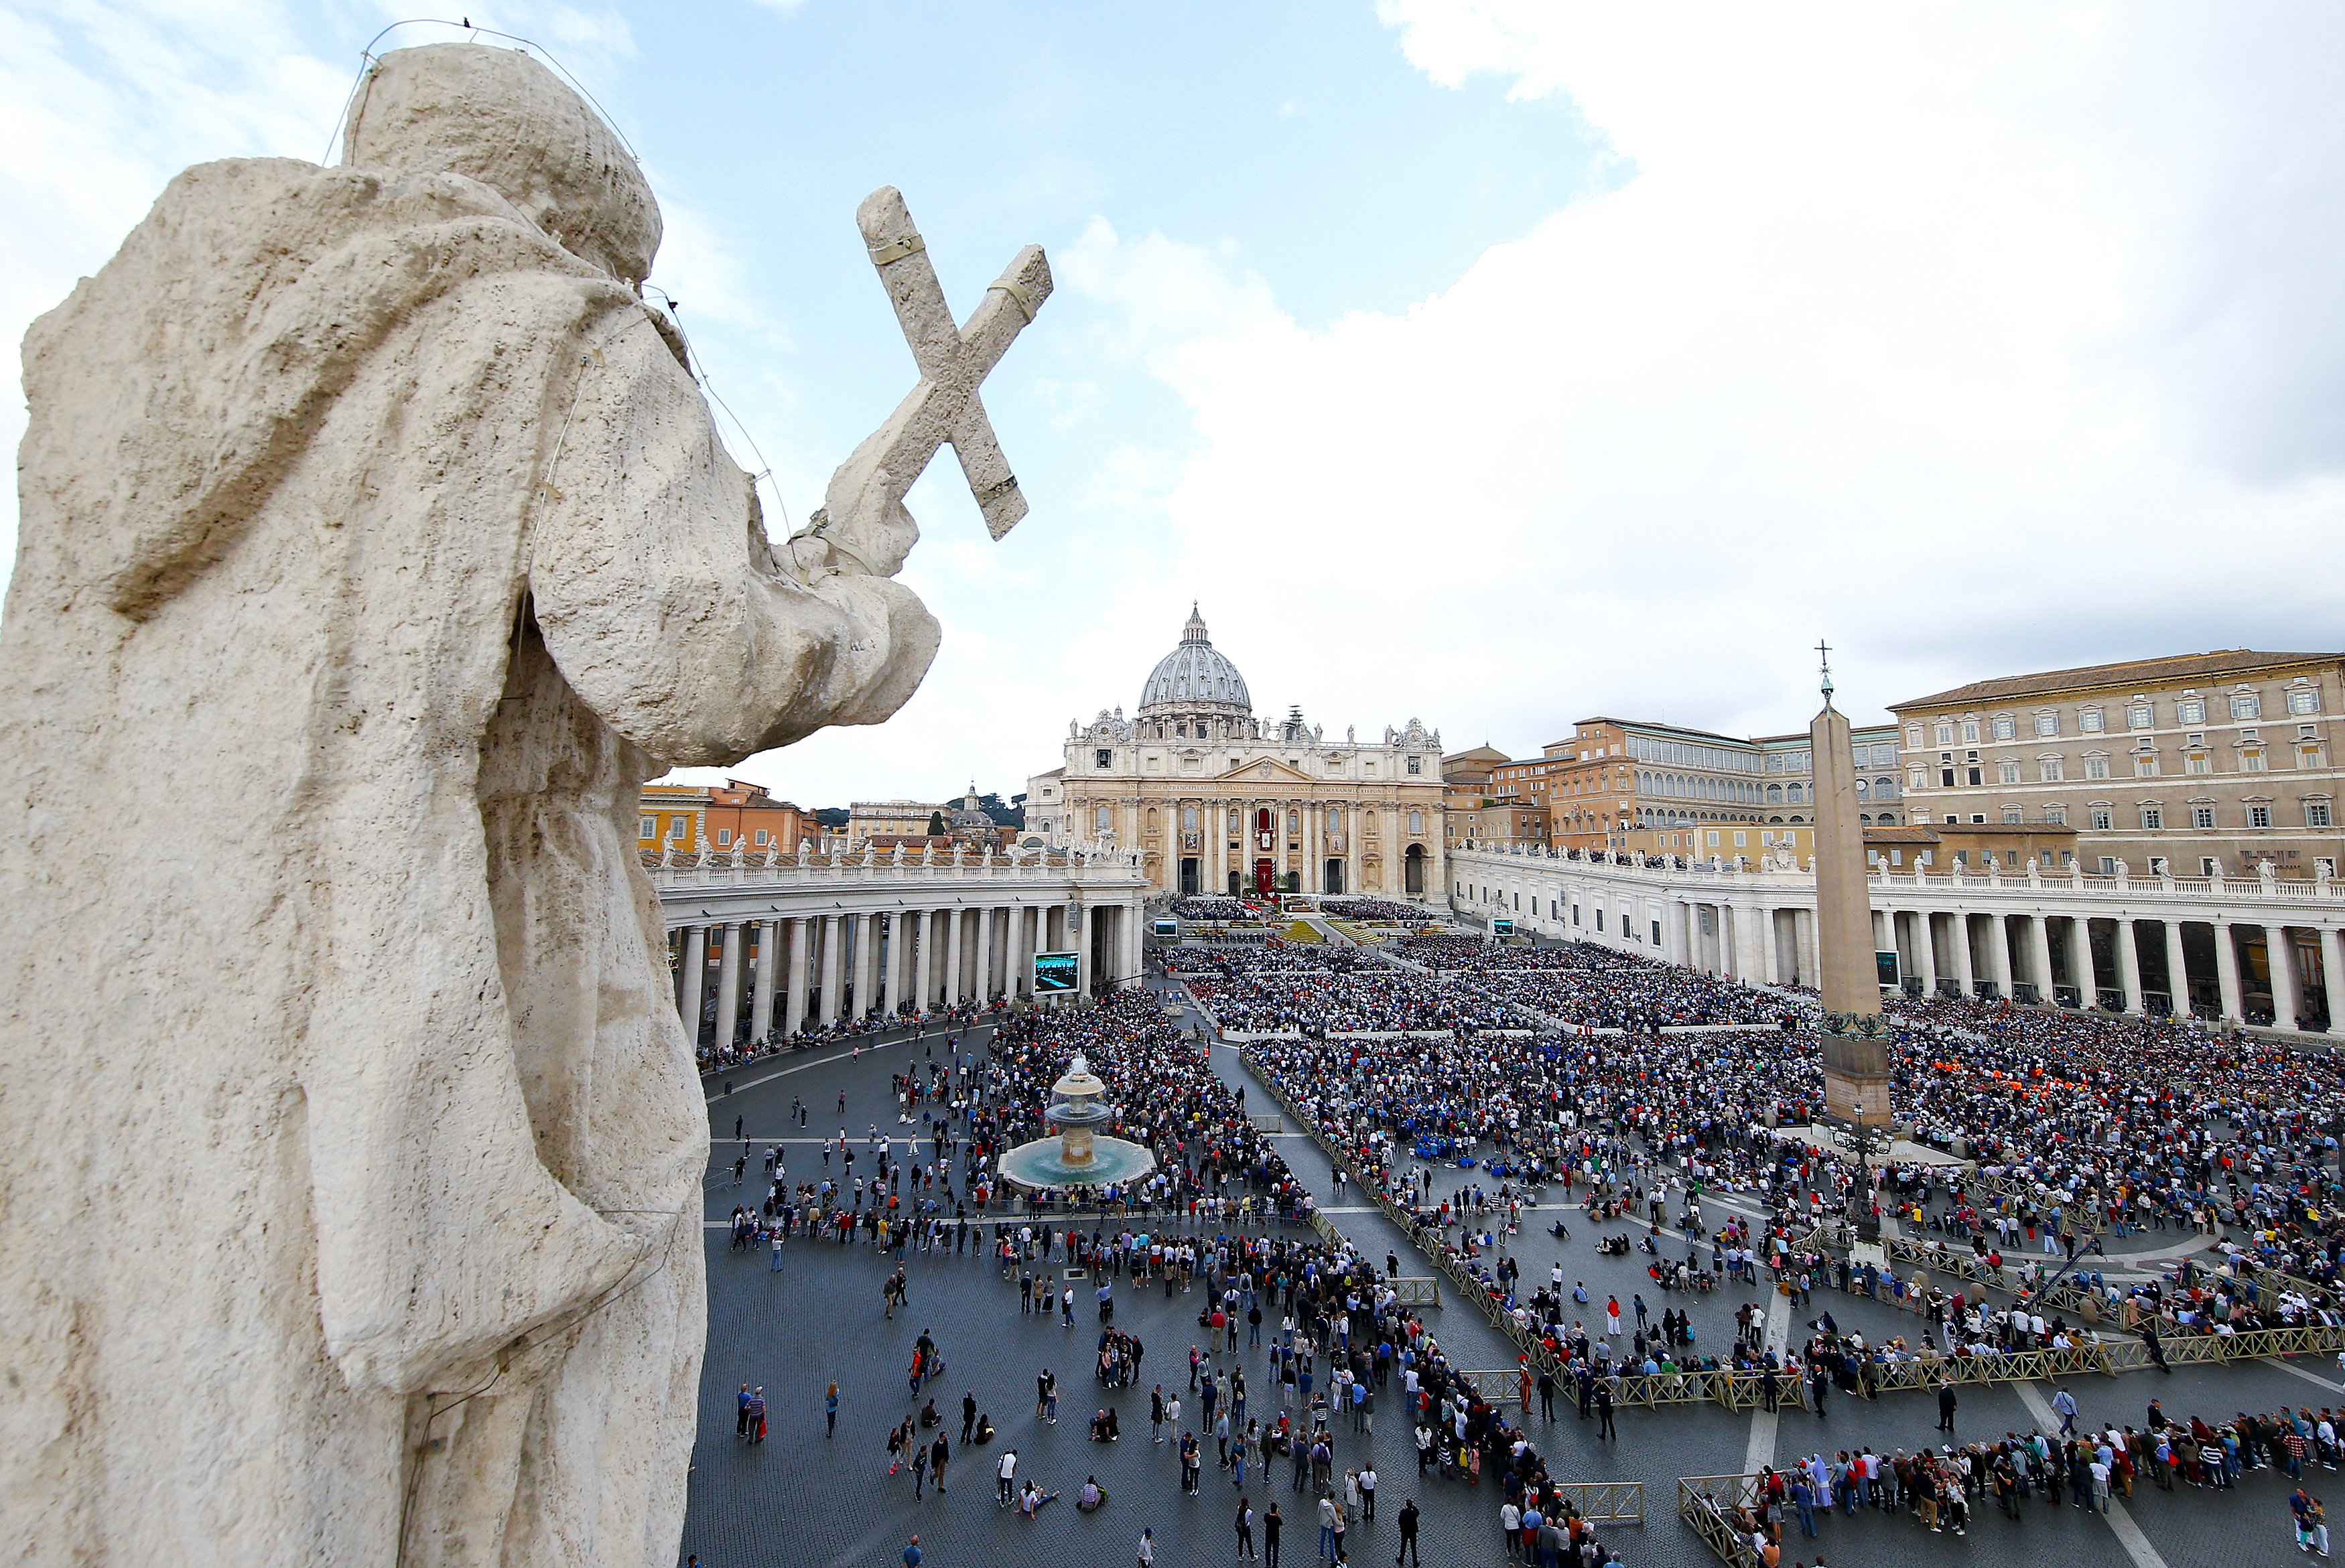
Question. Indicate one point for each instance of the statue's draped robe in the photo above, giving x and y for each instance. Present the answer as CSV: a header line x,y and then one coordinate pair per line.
x,y
371,548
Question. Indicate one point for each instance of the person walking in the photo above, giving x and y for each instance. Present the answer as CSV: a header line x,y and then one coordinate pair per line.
x,y
1245,1528
968,1416
1005,1479
1147,1549
1407,1519
741,1415
1368,1494
912,1552
1604,1410
2064,1404
1945,1404
939,1453
1271,1525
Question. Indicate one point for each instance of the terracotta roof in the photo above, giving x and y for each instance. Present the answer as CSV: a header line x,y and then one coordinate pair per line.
x,y
1900,835
1655,725
2221,664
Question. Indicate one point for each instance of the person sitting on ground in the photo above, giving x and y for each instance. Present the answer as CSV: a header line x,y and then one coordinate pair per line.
x,y
984,1432
1100,1432
1092,1497
929,1416
1034,1499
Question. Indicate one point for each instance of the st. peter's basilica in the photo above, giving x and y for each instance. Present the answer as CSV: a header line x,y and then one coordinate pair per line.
x,y
1219,801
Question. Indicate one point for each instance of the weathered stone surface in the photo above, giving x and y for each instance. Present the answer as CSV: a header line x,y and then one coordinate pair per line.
x,y
375,546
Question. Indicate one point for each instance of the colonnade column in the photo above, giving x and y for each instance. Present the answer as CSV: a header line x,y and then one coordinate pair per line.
x,y
2227,970
983,990
1812,968
1692,924
866,942
1964,975
2177,971
2039,957
794,1000
892,981
2088,976
925,990
728,986
952,921
1014,965
1998,927
830,935
1081,932
693,981
2332,977
2128,968
1925,950
761,1000
2280,963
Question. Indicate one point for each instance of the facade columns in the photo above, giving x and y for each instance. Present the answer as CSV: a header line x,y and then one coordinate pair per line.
x,y
694,982
761,1001
1690,924
1965,975
2280,963
1998,928
2128,967
1804,925
1925,950
2227,971
1747,966
830,942
794,1003
1015,966
2039,957
2177,970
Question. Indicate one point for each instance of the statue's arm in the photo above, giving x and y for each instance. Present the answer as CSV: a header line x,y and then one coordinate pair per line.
x,y
658,593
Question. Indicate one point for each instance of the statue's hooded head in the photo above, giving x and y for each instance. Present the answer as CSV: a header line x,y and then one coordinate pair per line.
x,y
499,117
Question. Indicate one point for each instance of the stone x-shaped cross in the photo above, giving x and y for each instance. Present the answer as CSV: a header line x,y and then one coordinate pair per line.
x,y
953,359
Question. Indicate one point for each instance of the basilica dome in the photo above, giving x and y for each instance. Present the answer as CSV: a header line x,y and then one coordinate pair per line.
x,y
1195,678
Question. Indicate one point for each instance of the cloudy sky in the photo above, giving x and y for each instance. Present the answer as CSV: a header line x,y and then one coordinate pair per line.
x,y
1494,363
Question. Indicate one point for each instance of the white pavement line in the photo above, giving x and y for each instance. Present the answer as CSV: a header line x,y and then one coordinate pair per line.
x,y
2129,1534
848,1055
1762,1450
2297,1371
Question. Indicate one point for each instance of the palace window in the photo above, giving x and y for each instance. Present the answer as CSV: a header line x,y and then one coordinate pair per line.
x,y
2251,760
2138,716
2202,817
2056,814
2258,815
1970,731
2198,763
1234,823
2145,766
1945,733
1100,819
2315,814
2153,817
678,826
1416,822
2304,700
2005,727
1187,819
2097,767
1912,737
723,836
1912,780
2006,771
2104,819
2090,721
761,839
2190,710
2048,724
2246,705
1335,819
646,826
1416,765
2050,770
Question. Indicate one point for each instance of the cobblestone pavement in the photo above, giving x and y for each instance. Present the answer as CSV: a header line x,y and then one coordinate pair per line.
x,y
801,1498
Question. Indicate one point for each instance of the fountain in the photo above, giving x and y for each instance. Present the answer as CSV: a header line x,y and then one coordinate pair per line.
x,y
1078,1156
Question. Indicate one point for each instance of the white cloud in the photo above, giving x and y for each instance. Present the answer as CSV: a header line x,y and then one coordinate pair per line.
x,y
1976,340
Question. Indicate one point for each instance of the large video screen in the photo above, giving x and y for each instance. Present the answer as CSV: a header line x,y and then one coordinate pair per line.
x,y
1055,973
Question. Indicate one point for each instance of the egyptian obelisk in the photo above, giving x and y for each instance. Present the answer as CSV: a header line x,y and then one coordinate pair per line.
x,y
1855,1035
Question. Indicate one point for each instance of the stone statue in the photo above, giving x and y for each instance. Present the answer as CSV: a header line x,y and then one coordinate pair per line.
x,y
349,1209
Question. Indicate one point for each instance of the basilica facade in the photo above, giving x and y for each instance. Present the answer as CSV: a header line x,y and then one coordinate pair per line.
x,y
1218,801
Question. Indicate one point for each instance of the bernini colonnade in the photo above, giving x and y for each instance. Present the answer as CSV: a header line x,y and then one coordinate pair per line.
x,y
2255,948
849,933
